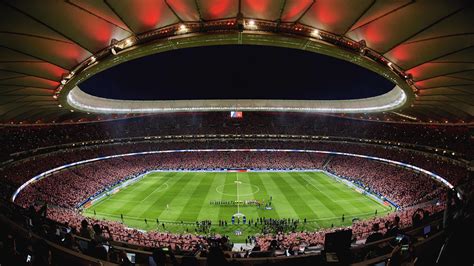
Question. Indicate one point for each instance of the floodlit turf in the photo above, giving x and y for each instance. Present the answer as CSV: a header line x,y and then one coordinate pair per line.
x,y
175,197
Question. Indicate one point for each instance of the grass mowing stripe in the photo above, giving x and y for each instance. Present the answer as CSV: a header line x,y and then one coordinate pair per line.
x,y
252,192
145,187
335,186
320,209
292,196
336,208
342,191
317,191
212,213
279,201
196,200
324,209
364,204
229,193
176,197
158,188
315,208
157,205
346,194
189,193
310,182
256,180
130,194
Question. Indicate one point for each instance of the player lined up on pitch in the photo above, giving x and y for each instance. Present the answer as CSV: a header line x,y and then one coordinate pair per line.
x,y
236,202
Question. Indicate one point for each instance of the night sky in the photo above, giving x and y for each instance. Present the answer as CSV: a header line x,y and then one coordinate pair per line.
x,y
236,72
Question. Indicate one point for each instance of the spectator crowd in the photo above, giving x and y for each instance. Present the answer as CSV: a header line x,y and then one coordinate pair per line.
x,y
65,190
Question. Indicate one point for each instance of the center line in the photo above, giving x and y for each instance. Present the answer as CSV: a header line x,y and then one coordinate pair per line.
x,y
238,204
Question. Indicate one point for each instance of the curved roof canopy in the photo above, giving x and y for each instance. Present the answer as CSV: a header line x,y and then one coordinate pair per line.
x,y
48,47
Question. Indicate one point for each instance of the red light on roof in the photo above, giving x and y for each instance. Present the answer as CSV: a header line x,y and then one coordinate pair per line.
x,y
259,6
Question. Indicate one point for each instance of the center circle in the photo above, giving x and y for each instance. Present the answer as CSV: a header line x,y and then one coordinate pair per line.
x,y
242,186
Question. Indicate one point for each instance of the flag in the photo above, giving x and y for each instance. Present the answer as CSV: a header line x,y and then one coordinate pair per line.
x,y
235,114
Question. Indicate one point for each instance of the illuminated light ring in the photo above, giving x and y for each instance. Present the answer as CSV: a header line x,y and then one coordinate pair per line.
x,y
391,100
51,171
157,44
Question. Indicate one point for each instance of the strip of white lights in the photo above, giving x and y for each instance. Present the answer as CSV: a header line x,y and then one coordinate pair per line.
x,y
412,167
391,100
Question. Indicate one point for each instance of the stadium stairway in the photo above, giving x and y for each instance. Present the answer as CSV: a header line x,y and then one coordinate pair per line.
x,y
328,160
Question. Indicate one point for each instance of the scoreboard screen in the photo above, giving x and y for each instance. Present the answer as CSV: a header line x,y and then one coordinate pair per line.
x,y
235,114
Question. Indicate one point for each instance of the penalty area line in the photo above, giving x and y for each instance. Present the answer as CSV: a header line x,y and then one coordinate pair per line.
x,y
151,193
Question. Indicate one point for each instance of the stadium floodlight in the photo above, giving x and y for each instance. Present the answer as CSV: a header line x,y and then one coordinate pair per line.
x,y
251,24
69,75
60,88
362,47
315,33
182,29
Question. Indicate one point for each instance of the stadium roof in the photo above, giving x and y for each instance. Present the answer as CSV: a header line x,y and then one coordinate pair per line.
x,y
427,47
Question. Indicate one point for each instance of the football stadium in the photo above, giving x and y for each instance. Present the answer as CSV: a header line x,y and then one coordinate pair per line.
x,y
236,132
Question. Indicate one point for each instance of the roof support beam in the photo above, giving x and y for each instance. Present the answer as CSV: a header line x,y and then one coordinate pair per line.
x,y
422,29
446,74
50,27
26,74
118,15
305,11
174,12
97,16
441,56
359,17
34,56
386,14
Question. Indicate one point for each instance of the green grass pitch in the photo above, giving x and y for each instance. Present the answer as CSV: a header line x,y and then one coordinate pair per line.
x,y
179,199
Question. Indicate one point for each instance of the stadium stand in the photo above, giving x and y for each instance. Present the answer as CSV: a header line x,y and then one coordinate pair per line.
x,y
63,191
25,138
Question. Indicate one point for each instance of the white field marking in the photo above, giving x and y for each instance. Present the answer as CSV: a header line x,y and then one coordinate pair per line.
x,y
124,200
339,217
168,221
128,188
314,221
237,184
316,187
248,194
141,218
349,200
365,198
155,191
100,202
